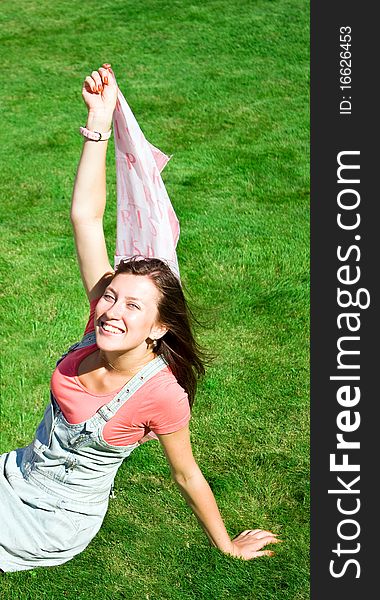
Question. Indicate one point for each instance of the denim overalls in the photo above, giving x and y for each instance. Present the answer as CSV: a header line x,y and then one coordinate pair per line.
x,y
54,493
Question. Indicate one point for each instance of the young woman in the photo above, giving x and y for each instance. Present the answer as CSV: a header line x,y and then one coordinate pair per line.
x,y
134,373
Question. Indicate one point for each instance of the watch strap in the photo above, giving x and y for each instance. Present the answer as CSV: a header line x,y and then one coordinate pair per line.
x,y
95,136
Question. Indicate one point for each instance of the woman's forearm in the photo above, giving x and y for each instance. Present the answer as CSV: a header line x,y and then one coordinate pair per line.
x,y
89,193
200,498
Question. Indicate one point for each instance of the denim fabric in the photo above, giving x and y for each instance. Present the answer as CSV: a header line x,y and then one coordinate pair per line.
x,y
54,493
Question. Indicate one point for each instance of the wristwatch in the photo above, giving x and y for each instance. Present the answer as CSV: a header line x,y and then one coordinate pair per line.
x,y
95,136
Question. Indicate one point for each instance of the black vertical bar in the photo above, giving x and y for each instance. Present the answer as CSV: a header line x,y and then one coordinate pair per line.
x,y
344,120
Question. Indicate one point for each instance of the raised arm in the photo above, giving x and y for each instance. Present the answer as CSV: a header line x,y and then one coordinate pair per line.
x,y
89,194
200,498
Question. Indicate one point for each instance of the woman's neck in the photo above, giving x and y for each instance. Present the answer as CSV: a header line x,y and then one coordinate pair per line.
x,y
126,364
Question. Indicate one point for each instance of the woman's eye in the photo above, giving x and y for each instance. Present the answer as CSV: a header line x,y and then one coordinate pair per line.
x,y
133,306
108,297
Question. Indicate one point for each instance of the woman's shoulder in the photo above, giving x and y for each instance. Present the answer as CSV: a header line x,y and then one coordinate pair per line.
x,y
166,378
164,386
166,403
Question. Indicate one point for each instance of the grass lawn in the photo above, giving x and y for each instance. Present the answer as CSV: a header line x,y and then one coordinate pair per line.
x,y
223,86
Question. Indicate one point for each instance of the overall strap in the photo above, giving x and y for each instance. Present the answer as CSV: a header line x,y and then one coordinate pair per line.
x,y
107,411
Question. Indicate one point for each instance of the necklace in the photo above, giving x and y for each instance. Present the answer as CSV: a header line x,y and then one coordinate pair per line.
x,y
128,371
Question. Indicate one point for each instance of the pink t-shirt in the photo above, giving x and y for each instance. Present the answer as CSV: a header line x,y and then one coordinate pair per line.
x,y
160,405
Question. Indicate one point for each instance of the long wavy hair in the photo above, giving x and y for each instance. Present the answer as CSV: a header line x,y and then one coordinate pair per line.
x,y
178,346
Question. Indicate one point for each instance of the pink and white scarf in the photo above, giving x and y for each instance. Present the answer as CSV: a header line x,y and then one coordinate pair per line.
x,y
146,222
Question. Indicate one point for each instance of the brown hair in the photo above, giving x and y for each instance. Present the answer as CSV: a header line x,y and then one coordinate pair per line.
x,y
178,346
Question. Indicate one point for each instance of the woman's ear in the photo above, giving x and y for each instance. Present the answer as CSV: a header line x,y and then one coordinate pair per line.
x,y
158,332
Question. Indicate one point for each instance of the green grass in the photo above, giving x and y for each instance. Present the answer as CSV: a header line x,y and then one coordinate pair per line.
x,y
223,86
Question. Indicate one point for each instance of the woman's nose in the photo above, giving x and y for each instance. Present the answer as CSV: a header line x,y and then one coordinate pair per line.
x,y
115,311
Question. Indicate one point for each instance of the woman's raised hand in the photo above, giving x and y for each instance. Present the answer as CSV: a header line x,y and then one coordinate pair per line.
x,y
248,544
99,91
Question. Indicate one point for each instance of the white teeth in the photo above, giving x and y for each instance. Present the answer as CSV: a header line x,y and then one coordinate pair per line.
x,y
111,328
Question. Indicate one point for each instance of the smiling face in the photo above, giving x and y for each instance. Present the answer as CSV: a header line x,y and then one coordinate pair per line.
x,y
127,314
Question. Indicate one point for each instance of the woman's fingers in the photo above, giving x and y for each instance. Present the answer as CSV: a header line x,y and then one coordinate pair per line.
x,y
93,85
107,66
249,543
90,84
259,542
105,75
261,533
100,90
258,533
263,553
98,80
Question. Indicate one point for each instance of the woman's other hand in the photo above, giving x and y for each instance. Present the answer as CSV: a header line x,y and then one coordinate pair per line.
x,y
248,544
99,91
